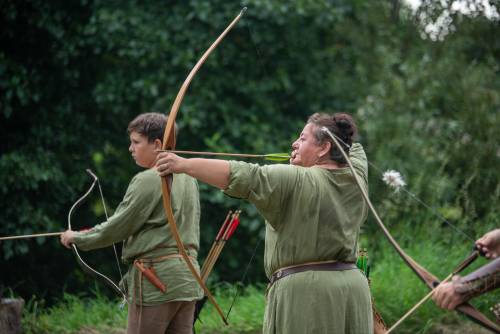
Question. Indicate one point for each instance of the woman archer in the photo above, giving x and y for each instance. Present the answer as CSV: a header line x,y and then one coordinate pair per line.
x,y
313,211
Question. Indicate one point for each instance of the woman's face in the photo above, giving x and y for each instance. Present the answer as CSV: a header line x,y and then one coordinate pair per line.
x,y
143,152
305,150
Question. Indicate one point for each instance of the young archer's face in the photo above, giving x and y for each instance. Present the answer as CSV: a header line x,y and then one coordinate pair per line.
x,y
143,151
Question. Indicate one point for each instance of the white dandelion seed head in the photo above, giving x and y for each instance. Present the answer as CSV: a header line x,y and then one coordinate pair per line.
x,y
393,179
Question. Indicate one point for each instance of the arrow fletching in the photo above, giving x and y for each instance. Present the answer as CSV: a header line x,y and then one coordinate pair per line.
x,y
280,157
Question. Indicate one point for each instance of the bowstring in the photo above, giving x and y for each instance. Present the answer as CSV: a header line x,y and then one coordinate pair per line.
x,y
432,209
107,218
407,192
80,260
238,290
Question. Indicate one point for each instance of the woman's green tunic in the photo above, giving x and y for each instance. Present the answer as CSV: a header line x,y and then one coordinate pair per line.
x,y
312,214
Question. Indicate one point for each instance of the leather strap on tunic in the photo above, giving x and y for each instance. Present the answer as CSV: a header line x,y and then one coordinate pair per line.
x,y
314,266
145,269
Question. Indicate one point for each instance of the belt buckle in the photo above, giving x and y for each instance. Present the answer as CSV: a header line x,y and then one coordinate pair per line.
x,y
279,273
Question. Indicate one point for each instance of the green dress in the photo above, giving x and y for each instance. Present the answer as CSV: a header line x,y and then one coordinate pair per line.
x,y
312,214
140,221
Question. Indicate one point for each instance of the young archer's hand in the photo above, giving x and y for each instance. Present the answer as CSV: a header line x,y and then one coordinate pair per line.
x,y
67,238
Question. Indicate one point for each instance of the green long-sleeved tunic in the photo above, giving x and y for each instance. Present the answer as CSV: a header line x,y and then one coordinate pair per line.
x,y
140,221
312,214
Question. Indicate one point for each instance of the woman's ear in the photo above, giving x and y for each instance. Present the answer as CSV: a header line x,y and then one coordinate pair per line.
x,y
325,148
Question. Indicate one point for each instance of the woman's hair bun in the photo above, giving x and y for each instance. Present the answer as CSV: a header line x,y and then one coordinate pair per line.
x,y
345,124
341,125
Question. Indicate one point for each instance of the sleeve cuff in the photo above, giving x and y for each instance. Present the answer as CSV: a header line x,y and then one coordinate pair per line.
x,y
82,240
239,177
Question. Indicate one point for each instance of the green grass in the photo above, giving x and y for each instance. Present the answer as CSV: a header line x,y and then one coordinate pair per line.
x,y
75,314
245,317
395,289
84,315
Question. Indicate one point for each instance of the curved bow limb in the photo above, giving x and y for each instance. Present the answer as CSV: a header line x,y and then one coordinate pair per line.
x,y
86,268
471,258
428,278
169,144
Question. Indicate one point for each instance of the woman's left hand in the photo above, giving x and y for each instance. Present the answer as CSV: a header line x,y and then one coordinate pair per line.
x,y
168,163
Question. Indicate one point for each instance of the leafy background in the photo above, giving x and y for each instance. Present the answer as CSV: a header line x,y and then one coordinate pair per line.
x,y
74,73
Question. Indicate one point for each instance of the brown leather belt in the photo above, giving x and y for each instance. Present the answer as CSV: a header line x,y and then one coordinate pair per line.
x,y
314,266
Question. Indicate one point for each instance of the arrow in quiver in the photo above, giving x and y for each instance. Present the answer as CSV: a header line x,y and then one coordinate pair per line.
x,y
379,326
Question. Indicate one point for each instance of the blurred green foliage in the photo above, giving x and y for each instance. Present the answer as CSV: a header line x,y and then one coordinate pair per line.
x,y
73,74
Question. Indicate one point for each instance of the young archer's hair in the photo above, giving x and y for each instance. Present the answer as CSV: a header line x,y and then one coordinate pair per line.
x,y
151,125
